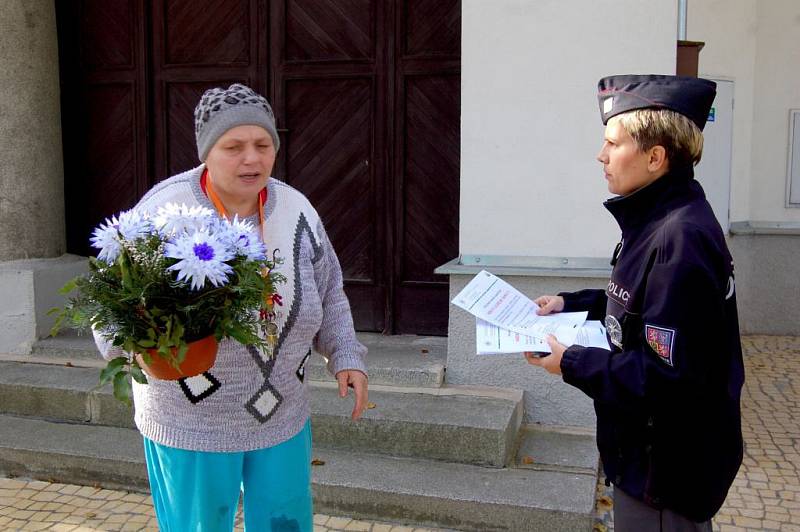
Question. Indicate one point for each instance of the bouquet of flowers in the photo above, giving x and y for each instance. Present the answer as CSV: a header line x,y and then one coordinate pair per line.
x,y
161,282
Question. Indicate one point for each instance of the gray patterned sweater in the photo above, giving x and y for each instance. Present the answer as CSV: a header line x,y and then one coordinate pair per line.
x,y
244,401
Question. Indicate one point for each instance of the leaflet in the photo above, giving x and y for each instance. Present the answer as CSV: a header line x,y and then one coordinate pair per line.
x,y
495,301
492,340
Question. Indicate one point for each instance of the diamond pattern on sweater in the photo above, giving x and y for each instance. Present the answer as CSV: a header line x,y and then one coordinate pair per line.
x,y
199,387
264,403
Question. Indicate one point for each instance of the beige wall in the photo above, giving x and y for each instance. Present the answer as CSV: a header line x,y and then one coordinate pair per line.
x,y
31,170
728,27
777,89
530,124
755,43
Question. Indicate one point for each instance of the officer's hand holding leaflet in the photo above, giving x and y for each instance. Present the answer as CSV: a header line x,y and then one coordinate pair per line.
x,y
548,305
550,362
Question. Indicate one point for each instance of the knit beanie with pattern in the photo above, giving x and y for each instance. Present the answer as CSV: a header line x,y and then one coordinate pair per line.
x,y
222,109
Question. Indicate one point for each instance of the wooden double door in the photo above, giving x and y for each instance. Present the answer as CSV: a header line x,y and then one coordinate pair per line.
x,y
366,94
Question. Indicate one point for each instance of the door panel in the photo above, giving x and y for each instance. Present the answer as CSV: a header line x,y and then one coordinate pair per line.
x,y
329,31
428,204
328,153
210,33
104,122
431,168
329,100
431,27
107,34
427,175
110,153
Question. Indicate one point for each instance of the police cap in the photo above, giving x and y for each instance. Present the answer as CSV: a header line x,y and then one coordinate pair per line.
x,y
691,97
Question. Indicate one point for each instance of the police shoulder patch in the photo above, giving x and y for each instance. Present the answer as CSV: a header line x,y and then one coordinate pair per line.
x,y
661,340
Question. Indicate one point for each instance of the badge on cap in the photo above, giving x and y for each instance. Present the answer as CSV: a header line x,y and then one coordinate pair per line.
x,y
661,340
608,104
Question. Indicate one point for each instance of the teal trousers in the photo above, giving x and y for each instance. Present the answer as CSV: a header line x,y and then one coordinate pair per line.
x,y
195,491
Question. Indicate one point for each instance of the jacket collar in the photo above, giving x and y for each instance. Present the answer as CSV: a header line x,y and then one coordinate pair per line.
x,y
632,210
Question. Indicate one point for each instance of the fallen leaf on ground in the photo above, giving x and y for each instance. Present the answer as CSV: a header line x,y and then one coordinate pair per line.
x,y
370,406
605,502
315,461
599,527
424,351
527,460
91,514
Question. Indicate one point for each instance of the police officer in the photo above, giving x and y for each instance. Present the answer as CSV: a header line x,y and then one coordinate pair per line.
x,y
667,393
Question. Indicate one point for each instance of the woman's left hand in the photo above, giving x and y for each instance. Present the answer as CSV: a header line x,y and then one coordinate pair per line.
x,y
358,382
552,362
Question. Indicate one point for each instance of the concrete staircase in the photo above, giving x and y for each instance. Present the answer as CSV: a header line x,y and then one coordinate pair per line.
x,y
427,454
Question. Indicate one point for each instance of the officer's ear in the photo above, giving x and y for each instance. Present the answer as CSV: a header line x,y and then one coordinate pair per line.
x,y
657,161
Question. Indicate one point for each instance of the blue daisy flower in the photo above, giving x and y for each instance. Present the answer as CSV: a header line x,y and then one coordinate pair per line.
x,y
106,238
201,256
241,239
175,219
134,224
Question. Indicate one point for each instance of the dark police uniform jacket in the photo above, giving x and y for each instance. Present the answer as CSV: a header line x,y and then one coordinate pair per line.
x,y
667,394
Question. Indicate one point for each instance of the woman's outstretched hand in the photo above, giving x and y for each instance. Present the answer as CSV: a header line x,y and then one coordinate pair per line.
x,y
356,380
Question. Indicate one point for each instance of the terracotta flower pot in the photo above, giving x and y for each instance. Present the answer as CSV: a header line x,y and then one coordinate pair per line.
x,y
199,358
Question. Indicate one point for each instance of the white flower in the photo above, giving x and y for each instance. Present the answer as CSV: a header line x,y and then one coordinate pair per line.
x,y
240,238
106,238
174,219
133,224
201,256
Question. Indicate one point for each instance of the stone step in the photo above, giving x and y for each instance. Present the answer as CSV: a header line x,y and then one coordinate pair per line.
x,y
557,449
404,360
456,424
357,484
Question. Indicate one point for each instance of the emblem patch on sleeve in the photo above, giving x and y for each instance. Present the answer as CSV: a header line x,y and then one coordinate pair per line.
x,y
661,340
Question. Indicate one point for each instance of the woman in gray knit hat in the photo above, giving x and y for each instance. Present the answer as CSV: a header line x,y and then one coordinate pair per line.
x,y
243,426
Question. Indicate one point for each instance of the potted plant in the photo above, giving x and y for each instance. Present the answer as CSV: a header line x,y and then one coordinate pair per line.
x,y
166,288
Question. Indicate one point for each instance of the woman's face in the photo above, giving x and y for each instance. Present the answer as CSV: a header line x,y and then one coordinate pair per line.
x,y
241,161
626,167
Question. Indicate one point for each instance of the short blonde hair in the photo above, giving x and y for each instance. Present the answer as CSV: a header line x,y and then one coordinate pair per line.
x,y
680,137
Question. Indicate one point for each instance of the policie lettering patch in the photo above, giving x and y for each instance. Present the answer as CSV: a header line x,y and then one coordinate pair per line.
x,y
661,340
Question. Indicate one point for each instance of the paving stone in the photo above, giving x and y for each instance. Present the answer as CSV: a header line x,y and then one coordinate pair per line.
x,y
362,526
338,522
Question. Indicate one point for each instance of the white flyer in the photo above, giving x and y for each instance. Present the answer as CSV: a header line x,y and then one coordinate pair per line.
x,y
492,340
493,300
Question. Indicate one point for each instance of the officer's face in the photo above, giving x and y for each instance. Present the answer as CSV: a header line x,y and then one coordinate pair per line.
x,y
626,167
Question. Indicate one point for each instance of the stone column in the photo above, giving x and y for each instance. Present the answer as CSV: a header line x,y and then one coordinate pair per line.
x,y
31,164
32,225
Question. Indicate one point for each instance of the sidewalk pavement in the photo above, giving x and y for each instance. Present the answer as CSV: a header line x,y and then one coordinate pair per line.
x,y
765,495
